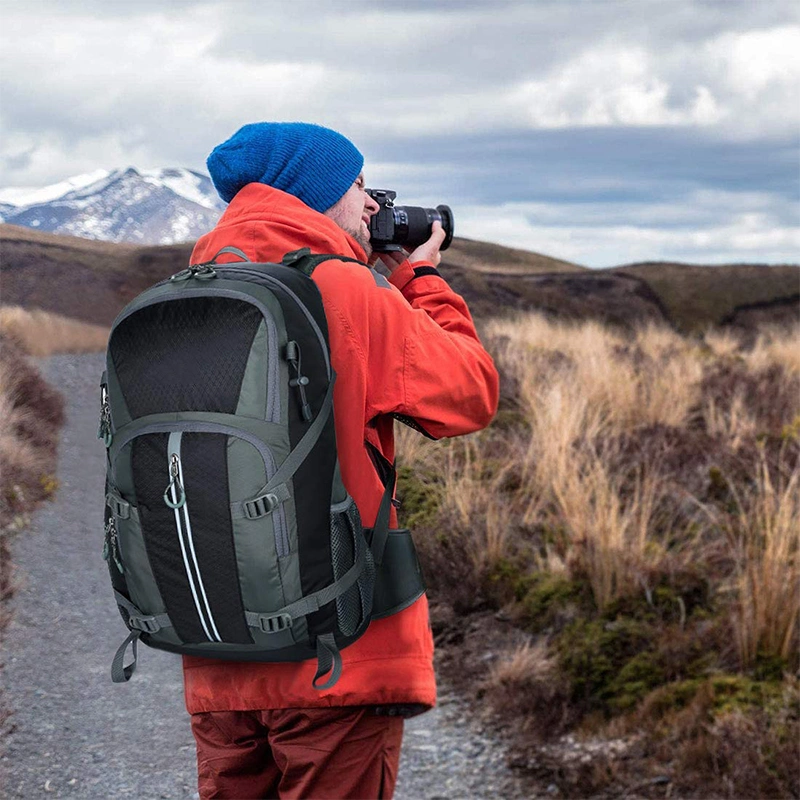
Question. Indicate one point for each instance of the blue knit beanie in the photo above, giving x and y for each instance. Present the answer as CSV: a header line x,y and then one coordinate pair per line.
x,y
315,164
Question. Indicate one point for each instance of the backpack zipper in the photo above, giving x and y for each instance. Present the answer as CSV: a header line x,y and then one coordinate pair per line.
x,y
177,502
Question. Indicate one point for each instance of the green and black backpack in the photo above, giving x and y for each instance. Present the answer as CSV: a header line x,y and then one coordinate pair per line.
x,y
228,530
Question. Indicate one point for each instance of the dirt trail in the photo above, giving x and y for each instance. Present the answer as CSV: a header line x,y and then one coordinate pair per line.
x,y
77,734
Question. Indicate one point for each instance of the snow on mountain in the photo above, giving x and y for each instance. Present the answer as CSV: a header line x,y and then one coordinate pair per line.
x,y
157,206
26,196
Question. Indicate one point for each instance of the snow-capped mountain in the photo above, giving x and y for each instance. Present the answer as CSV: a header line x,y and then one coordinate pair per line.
x,y
158,206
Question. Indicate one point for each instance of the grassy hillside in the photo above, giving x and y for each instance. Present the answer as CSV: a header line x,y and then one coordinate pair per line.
x,y
695,297
91,281
585,294
79,278
613,564
487,257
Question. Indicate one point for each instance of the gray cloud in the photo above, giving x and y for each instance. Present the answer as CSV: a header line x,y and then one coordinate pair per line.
x,y
562,114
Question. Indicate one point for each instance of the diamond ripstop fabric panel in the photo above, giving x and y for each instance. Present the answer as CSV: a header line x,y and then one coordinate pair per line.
x,y
193,350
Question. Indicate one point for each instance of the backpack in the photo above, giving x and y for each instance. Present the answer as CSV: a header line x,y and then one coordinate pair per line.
x,y
228,530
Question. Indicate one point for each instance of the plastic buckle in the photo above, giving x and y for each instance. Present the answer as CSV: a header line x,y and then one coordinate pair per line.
x,y
275,624
146,624
260,506
119,507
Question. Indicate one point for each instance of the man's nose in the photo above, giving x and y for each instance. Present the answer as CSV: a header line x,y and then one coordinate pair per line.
x,y
371,206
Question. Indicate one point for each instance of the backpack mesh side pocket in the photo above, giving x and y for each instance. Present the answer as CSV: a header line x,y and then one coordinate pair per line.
x,y
354,606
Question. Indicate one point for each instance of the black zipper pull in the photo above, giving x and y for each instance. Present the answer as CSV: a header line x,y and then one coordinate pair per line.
x,y
174,472
104,431
111,544
202,272
294,357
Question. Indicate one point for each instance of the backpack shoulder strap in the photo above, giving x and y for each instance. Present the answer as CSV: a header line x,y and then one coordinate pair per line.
x,y
303,260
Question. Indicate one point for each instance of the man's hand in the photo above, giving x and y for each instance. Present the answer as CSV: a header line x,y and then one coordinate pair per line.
x,y
427,251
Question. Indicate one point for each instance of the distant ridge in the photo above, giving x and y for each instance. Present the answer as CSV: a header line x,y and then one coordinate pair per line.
x,y
93,280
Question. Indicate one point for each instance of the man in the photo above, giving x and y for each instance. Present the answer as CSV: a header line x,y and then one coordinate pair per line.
x,y
404,346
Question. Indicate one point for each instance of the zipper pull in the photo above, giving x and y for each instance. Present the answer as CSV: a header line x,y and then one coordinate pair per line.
x,y
201,271
112,540
174,471
104,431
205,272
294,357
183,275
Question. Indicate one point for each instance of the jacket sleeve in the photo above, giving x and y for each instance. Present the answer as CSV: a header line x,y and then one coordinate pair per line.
x,y
424,361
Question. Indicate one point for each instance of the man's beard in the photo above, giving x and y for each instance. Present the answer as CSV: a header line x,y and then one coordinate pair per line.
x,y
363,239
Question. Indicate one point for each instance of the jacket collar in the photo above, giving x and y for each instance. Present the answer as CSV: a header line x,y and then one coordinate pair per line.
x,y
285,218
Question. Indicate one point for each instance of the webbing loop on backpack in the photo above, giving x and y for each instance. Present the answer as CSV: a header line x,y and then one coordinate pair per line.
x,y
235,251
328,659
119,673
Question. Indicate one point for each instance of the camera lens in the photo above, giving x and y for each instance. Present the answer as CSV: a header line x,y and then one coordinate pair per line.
x,y
413,225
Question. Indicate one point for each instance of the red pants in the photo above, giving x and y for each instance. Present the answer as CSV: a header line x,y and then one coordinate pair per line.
x,y
345,752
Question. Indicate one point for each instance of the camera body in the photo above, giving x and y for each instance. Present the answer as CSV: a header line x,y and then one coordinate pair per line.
x,y
394,227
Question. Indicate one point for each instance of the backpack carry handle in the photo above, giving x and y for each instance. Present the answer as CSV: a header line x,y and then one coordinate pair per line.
x,y
235,251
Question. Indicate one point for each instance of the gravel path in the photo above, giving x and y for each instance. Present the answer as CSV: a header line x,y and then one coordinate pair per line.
x,y
77,734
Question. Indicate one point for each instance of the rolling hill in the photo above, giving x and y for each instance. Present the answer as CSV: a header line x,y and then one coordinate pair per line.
x,y
92,280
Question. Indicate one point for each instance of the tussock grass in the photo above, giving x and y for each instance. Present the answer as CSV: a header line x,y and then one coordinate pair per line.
x,y
42,333
776,347
650,378
764,534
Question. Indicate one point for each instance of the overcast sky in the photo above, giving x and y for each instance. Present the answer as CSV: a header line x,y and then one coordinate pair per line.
x,y
597,131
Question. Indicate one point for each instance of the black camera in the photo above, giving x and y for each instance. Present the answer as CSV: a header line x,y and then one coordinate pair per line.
x,y
397,227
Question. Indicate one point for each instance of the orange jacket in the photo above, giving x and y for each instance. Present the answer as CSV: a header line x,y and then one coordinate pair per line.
x,y
405,345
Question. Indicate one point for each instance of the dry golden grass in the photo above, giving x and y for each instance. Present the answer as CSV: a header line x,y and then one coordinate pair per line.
x,y
42,333
471,495
582,390
657,384
583,513
733,421
776,346
765,539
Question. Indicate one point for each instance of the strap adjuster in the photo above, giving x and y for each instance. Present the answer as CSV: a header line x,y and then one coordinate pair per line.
x,y
145,624
260,506
119,507
275,623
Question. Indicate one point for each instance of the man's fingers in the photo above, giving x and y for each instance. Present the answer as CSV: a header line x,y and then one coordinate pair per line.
x,y
438,234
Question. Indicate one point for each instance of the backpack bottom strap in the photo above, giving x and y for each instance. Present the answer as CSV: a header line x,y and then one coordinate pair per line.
x,y
328,659
120,674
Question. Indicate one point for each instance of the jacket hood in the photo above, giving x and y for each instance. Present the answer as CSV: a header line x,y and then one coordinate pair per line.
x,y
288,223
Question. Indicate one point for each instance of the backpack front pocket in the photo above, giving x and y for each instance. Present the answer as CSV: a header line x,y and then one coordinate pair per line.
x,y
179,474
